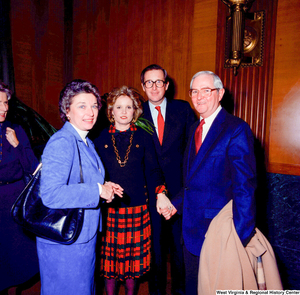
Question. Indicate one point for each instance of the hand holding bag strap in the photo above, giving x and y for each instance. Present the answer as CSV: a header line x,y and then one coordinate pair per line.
x,y
58,225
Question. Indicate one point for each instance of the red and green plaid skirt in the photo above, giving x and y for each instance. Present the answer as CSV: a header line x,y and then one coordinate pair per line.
x,y
125,251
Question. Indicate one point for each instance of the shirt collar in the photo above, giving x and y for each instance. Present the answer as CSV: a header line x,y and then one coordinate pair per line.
x,y
82,134
162,106
209,120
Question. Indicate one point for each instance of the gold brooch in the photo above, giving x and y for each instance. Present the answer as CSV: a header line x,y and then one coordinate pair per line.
x,y
106,146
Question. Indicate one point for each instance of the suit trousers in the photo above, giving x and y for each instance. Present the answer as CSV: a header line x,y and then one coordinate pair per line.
x,y
191,272
166,238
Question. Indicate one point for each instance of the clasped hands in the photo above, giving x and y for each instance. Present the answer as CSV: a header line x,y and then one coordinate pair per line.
x,y
164,206
109,189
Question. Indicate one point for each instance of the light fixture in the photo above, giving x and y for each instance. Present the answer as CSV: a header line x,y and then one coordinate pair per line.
x,y
244,35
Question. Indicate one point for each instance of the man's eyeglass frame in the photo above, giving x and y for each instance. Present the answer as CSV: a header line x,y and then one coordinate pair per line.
x,y
202,91
154,82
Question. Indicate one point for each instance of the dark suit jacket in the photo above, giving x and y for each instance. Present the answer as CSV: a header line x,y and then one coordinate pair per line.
x,y
179,119
223,169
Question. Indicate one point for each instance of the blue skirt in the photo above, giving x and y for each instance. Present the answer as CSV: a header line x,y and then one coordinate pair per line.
x,y
67,269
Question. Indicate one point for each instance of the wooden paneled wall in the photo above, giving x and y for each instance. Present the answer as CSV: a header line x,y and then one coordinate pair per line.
x,y
204,37
250,92
38,43
268,97
115,40
284,147
110,42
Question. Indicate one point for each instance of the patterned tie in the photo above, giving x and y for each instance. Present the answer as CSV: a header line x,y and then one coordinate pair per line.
x,y
0,142
198,135
160,125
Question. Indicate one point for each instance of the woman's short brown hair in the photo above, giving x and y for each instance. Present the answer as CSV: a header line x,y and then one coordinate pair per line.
x,y
72,89
126,91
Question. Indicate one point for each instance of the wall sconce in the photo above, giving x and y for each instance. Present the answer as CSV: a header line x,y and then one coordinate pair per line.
x,y
244,35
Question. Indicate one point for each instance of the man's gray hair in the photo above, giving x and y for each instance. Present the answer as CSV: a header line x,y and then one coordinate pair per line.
x,y
217,81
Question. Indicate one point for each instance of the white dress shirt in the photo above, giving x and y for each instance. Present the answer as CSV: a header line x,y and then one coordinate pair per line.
x,y
208,121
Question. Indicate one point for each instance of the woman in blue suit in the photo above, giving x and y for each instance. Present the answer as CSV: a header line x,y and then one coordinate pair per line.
x,y
69,269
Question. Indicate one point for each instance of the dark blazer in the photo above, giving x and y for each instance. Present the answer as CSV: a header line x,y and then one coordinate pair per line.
x,y
19,160
142,165
179,119
223,169
18,258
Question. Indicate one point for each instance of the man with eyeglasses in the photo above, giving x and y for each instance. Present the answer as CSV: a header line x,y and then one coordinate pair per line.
x,y
172,120
219,166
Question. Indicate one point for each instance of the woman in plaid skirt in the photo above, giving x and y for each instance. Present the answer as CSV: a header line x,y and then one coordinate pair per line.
x,y
129,157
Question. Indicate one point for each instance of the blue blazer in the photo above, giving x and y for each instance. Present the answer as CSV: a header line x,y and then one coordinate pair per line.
x,y
60,179
179,119
223,169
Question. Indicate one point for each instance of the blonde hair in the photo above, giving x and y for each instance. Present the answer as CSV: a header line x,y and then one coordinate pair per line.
x,y
126,91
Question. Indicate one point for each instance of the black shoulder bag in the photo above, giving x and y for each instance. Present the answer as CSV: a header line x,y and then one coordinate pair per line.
x,y
58,225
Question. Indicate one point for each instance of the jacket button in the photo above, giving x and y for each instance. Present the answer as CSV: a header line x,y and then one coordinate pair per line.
x,y
186,188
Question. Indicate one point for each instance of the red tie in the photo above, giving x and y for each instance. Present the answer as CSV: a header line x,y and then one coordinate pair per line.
x,y
160,125
198,135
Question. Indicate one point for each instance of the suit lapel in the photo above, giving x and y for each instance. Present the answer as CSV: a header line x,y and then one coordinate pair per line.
x,y
208,144
170,124
90,153
94,155
148,116
84,149
147,113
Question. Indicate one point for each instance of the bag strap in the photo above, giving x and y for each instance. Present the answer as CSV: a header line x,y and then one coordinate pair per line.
x,y
81,174
37,169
